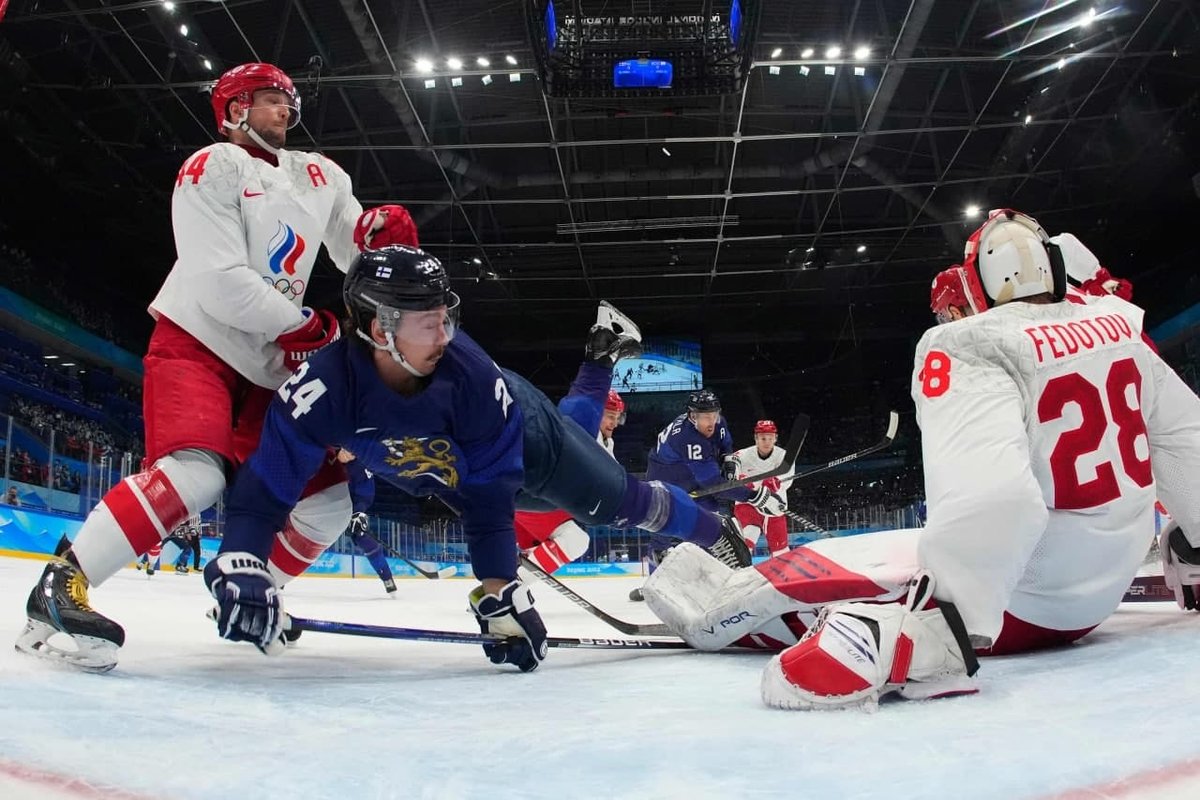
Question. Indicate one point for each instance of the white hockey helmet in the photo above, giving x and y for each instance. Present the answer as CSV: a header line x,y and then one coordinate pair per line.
x,y
1011,257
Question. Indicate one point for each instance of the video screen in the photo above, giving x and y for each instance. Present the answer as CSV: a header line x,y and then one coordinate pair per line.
x,y
666,365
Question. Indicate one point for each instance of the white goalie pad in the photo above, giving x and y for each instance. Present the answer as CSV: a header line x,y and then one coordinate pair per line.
x,y
706,603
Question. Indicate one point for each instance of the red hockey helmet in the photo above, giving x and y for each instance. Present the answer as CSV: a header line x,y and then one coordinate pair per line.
x,y
615,403
766,426
949,289
1009,257
241,82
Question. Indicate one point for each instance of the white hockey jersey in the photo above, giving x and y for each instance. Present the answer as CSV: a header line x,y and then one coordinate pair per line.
x,y
750,463
247,234
1044,430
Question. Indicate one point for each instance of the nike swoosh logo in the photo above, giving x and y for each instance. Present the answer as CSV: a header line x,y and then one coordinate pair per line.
x,y
597,506
364,430
248,193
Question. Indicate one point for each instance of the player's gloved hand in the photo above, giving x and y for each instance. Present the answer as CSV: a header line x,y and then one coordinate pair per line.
x,y
729,468
358,524
319,329
248,608
1104,283
510,613
1181,566
770,503
384,225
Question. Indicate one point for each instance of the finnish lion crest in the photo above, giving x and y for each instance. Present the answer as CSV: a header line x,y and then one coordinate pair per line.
x,y
414,457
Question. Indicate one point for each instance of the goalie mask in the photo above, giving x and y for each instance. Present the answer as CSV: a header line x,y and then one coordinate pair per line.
x,y
407,292
1011,257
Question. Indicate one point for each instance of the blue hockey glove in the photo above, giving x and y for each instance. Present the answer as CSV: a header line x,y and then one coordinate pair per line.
x,y
511,614
247,599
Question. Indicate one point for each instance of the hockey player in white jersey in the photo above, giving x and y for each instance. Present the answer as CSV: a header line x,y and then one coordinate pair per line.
x,y
1047,429
249,218
762,456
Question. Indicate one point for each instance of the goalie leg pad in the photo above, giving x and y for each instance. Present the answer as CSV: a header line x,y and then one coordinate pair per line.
x,y
859,652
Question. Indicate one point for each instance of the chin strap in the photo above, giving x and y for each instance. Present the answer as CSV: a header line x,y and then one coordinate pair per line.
x,y
390,349
244,126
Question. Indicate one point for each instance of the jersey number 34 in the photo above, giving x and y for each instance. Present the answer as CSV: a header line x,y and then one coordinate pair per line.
x,y
1126,414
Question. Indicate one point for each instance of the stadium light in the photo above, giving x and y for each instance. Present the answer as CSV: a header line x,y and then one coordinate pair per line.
x,y
862,248
168,5
183,30
774,70
511,59
804,70
454,63
424,66
777,52
456,81
666,152
806,52
483,62
833,52
972,211
1028,118
208,65
862,53
860,71
487,80
514,77
430,83
830,69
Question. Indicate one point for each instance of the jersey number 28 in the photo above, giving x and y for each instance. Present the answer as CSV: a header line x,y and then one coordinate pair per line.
x,y
1069,491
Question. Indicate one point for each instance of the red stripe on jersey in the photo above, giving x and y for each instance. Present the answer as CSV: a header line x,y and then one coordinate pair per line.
x,y
811,578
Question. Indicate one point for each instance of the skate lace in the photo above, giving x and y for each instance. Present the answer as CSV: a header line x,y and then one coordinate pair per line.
x,y
77,589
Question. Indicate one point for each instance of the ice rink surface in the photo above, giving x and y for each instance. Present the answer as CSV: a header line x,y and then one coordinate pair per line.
x,y
186,715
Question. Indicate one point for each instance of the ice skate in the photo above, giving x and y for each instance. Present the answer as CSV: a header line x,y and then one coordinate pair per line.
x,y
390,586
613,337
59,604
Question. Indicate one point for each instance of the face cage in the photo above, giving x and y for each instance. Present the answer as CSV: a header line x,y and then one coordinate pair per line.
x,y
391,319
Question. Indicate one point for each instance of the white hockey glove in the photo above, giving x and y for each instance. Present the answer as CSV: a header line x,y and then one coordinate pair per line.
x,y
770,502
1181,566
511,614
248,608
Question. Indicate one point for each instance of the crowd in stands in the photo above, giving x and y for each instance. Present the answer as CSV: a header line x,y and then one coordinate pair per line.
x,y
72,433
44,287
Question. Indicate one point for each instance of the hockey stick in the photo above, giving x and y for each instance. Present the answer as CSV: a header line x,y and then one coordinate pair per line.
x,y
433,575
455,637
629,628
885,442
794,443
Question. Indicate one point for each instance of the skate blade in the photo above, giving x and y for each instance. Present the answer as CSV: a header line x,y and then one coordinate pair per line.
x,y
93,655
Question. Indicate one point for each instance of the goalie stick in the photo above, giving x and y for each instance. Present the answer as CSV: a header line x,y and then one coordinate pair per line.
x,y
456,637
630,628
794,443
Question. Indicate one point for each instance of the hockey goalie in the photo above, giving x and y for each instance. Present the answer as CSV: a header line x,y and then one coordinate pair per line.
x,y
1047,429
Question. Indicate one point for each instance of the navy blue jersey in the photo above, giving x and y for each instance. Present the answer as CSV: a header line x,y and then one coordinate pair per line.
x,y
362,486
459,438
685,458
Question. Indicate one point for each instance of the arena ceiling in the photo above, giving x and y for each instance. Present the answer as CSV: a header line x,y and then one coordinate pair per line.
x,y
806,208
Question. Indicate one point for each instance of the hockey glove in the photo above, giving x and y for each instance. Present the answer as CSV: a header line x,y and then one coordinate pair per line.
x,y
383,226
358,525
729,468
1104,283
770,503
511,614
248,608
319,329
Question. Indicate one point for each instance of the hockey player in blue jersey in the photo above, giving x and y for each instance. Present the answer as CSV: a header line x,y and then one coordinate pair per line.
x,y
362,495
691,453
422,406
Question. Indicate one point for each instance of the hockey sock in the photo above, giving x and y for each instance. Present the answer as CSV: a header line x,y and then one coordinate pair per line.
x,y
666,509
314,524
142,510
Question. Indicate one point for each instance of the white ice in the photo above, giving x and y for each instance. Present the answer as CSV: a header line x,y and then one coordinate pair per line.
x,y
186,715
